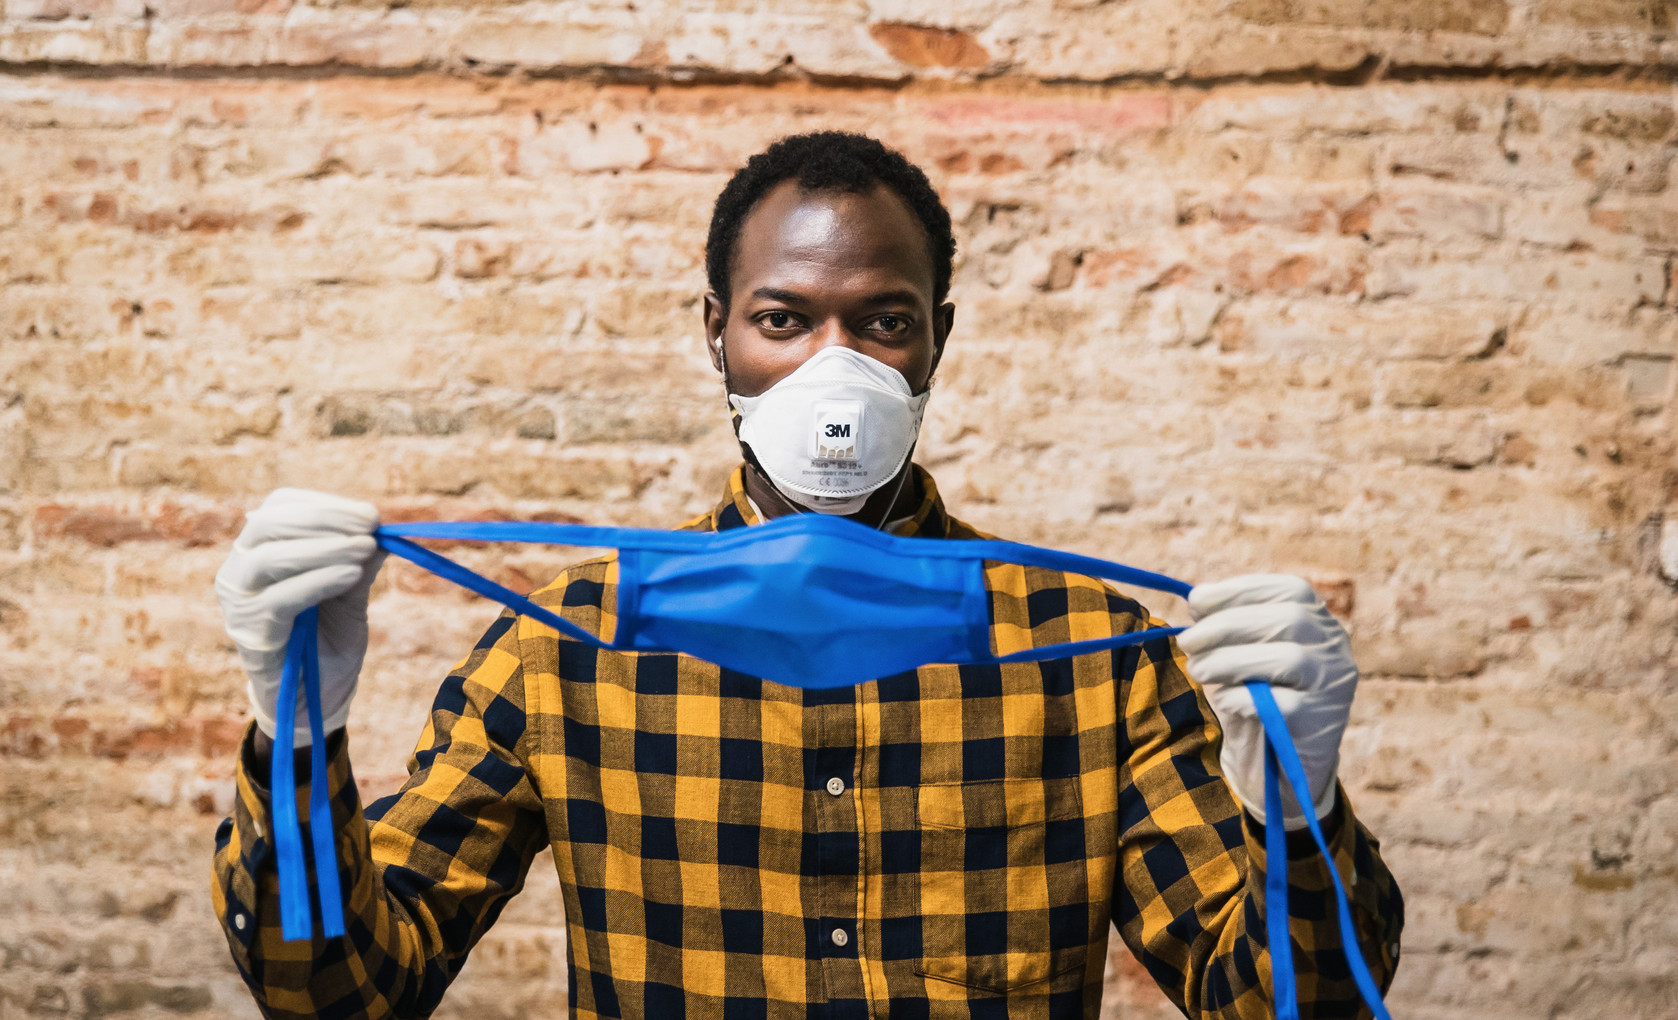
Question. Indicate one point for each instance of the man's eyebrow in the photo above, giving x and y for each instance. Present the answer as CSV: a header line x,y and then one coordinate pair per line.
x,y
792,297
785,297
894,297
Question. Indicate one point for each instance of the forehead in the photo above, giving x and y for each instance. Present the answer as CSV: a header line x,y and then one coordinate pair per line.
x,y
829,239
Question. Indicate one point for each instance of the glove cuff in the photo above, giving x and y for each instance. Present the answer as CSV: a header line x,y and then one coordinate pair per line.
x,y
1292,821
301,737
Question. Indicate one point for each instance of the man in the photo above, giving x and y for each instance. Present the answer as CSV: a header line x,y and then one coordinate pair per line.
x,y
947,842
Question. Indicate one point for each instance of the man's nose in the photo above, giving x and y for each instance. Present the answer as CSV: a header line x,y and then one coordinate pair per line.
x,y
833,332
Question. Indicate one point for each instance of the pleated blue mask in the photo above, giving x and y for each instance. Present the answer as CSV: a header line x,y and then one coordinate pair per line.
x,y
808,600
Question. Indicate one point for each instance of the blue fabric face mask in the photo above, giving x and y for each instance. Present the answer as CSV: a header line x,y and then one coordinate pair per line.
x,y
808,600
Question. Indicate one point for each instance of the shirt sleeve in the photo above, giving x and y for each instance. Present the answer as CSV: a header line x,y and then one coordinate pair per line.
x,y
425,872
1190,900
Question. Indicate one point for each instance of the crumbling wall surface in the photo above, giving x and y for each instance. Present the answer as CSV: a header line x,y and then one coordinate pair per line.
x,y
1377,291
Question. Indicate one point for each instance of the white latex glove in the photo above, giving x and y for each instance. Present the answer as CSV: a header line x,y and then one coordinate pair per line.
x,y
299,549
1273,627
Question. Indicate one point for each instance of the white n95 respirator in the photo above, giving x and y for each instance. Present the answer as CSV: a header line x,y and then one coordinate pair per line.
x,y
839,427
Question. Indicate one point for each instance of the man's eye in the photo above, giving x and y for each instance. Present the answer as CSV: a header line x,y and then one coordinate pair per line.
x,y
777,320
891,324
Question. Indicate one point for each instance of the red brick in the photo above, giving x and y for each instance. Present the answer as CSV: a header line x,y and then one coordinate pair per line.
x,y
198,526
21,736
94,525
925,46
219,736
107,527
1339,594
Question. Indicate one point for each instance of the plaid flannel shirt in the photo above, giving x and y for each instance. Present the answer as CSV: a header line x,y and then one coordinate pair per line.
x,y
947,842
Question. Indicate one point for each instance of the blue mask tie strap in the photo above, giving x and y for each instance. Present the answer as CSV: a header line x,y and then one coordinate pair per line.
x,y
1283,993
1072,648
477,583
1279,748
295,922
301,664
321,833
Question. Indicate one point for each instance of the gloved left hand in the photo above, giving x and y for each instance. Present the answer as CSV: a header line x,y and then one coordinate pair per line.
x,y
300,549
1273,627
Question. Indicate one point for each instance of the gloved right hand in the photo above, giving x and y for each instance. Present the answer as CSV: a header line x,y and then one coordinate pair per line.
x,y
299,549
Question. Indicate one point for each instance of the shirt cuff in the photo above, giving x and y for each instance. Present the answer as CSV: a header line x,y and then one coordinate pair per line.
x,y
1300,844
254,774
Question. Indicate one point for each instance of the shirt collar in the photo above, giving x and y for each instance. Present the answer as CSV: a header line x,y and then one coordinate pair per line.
x,y
928,521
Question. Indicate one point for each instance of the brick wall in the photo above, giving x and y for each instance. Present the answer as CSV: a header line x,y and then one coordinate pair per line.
x,y
1378,291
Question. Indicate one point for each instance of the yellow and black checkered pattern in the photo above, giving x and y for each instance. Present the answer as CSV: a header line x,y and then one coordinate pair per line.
x,y
948,842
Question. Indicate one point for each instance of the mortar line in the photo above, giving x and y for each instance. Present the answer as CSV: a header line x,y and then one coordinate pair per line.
x,y
1374,70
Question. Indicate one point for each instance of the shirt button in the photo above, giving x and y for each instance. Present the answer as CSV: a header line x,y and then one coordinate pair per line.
x,y
836,786
839,937
239,921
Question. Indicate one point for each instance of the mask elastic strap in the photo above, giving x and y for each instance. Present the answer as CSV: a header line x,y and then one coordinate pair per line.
x,y
1068,649
548,532
295,922
477,583
302,667
1280,752
1053,559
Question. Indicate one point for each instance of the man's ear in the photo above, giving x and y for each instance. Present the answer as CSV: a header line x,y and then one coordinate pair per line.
x,y
716,318
944,321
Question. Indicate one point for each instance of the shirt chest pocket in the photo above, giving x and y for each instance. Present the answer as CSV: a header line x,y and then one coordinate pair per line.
x,y
1004,897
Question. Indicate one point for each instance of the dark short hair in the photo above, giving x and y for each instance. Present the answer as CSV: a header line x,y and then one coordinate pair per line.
x,y
827,161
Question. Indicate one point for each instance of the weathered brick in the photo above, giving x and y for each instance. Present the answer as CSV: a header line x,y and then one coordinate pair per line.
x,y
382,42
1569,335
490,40
1635,119
522,471
1646,15
169,9
1337,330
1433,212
53,10
426,150
105,998
1655,220
1296,269
75,42
56,419
1484,16
209,470
1279,203
1441,273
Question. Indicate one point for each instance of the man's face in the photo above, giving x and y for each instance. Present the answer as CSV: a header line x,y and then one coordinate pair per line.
x,y
820,269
